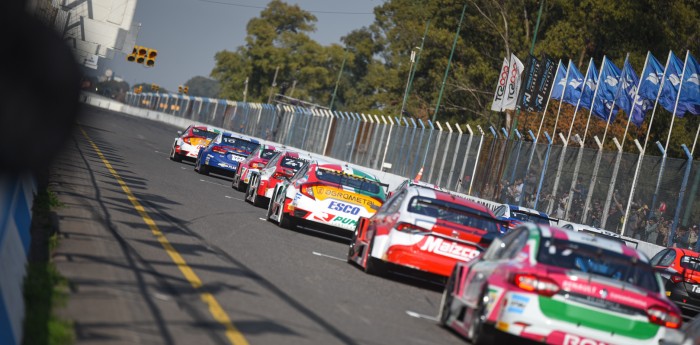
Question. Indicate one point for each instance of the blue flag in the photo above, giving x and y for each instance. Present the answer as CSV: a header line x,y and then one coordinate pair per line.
x,y
607,90
559,82
574,84
672,82
628,83
589,86
690,92
648,89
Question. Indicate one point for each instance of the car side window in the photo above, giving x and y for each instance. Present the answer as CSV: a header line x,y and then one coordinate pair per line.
x,y
657,257
500,211
668,259
273,161
301,173
516,245
392,204
568,227
500,246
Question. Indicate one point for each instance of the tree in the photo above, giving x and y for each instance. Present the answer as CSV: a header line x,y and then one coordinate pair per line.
x,y
203,87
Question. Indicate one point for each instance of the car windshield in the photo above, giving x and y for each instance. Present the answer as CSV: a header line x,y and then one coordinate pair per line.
x,y
454,213
267,153
292,163
357,183
202,133
597,261
240,144
529,217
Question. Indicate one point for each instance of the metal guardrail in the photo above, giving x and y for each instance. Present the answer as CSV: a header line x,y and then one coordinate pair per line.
x,y
582,185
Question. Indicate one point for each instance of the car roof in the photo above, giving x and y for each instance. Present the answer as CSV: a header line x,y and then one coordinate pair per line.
x,y
446,196
347,170
687,252
526,210
588,238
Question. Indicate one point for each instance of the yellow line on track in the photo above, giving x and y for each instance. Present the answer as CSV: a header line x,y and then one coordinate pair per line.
x,y
232,333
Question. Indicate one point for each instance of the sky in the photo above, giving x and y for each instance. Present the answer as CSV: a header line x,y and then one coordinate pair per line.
x,y
188,33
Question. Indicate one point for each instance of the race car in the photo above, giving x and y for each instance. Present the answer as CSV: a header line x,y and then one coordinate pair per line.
x,y
283,165
255,161
680,272
224,153
189,141
423,229
556,286
329,197
514,215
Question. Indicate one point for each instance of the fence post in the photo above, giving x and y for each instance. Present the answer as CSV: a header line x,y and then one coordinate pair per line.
x,y
454,156
632,188
476,162
328,134
613,181
408,150
466,158
356,119
658,180
681,194
577,166
364,126
560,167
532,155
386,146
413,170
444,154
373,140
517,156
544,170
430,138
437,145
594,178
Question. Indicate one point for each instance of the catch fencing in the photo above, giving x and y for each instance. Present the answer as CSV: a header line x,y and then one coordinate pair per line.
x,y
574,183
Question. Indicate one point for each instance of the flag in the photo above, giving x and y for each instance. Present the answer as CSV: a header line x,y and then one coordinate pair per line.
x,y
628,82
560,82
607,90
513,85
500,93
648,89
589,85
549,69
690,92
532,75
574,85
672,82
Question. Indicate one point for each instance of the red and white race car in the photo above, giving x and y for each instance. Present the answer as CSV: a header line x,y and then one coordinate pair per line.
x,y
189,141
556,286
254,162
423,229
329,197
283,165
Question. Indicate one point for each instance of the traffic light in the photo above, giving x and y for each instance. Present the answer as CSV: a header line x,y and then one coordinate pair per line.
x,y
132,57
154,87
141,54
151,57
187,90
179,89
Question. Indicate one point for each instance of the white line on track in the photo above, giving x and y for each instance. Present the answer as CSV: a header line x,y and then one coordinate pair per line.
x,y
162,153
327,256
263,219
218,184
230,197
421,316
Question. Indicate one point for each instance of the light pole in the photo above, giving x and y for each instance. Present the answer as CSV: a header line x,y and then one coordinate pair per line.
x,y
408,82
447,70
345,57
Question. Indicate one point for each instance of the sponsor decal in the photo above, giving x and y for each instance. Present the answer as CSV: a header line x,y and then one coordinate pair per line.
x,y
576,340
345,221
517,304
345,208
237,158
450,249
322,193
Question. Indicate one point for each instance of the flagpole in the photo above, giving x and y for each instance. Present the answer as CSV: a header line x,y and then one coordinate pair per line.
x,y
695,141
656,102
547,104
678,96
595,94
617,93
579,99
634,100
566,83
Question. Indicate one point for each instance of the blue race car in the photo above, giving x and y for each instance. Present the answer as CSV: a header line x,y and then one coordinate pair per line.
x,y
514,215
224,153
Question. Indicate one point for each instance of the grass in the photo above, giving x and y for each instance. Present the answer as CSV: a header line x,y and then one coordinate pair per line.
x,y
44,287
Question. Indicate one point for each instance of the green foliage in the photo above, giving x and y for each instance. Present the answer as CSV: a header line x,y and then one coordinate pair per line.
x,y
377,58
203,87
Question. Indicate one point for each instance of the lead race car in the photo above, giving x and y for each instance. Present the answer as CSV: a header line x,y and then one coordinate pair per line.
x,y
187,144
331,197
556,286
423,229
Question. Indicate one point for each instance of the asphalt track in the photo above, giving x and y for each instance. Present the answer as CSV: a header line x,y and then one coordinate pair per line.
x,y
158,254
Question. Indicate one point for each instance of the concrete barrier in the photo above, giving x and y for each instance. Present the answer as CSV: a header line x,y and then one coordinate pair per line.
x,y
16,199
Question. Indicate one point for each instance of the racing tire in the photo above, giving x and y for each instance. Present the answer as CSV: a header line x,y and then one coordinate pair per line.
x,y
373,265
479,332
202,168
256,200
174,156
446,301
351,247
268,216
285,221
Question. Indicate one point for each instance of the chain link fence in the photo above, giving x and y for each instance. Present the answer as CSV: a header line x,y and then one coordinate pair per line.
x,y
576,184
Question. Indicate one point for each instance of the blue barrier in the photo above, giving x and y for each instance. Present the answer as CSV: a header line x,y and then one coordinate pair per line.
x,y
16,198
